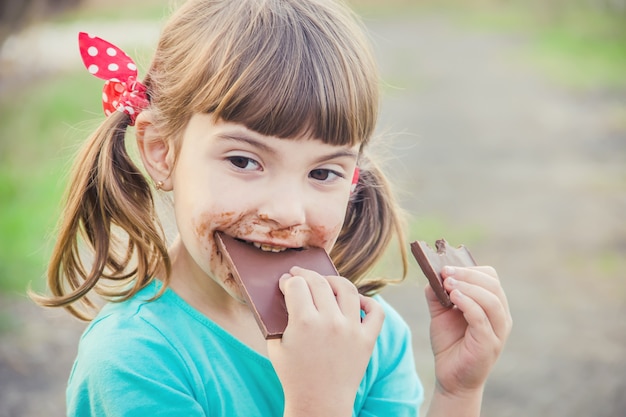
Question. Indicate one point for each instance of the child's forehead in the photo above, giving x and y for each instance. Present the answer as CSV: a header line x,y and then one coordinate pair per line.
x,y
315,76
235,132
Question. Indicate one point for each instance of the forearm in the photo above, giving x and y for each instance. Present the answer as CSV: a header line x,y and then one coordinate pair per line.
x,y
467,404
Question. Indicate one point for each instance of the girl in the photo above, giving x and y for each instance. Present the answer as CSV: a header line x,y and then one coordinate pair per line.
x,y
256,115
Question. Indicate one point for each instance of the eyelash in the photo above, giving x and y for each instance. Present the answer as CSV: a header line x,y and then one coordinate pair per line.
x,y
242,162
234,159
325,171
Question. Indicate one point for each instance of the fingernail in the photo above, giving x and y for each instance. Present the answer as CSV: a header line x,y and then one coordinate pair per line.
x,y
451,282
449,270
459,294
281,281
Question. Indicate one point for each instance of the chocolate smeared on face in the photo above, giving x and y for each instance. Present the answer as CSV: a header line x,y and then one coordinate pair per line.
x,y
257,273
432,262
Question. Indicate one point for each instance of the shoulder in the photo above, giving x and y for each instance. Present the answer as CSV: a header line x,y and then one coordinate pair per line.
x,y
129,335
124,354
147,327
394,327
123,334
395,339
139,317
391,385
393,352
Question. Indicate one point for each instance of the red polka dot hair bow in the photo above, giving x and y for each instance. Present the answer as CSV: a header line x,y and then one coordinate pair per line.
x,y
355,180
122,92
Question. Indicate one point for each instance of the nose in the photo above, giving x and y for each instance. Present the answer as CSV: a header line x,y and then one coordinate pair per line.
x,y
283,204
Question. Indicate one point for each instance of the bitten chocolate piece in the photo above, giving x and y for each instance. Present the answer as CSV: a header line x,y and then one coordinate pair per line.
x,y
257,272
432,262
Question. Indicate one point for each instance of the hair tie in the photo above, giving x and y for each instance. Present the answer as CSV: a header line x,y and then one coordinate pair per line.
x,y
122,92
355,180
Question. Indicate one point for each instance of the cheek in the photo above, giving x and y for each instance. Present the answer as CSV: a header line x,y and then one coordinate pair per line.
x,y
327,227
324,236
204,228
205,225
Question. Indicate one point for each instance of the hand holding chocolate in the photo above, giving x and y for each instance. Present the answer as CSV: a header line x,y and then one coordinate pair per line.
x,y
432,262
257,273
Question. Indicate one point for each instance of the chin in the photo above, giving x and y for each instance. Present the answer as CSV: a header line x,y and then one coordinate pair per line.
x,y
232,288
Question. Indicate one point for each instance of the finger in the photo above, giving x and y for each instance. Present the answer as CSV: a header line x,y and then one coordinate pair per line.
x,y
485,269
478,324
320,289
347,297
374,314
434,305
298,298
494,311
483,276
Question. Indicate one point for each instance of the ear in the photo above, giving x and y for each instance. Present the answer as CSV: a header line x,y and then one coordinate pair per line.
x,y
156,151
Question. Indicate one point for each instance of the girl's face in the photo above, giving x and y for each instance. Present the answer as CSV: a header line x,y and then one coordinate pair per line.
x,y
273,193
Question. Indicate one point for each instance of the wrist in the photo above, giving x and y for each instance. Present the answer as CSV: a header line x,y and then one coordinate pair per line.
x,y
460,402
320,408
314,403
459,393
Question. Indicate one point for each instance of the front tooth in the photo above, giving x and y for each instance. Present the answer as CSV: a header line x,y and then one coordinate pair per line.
x,y
268,248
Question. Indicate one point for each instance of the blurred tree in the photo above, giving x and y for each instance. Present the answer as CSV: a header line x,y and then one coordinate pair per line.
x,y
15,14
611,5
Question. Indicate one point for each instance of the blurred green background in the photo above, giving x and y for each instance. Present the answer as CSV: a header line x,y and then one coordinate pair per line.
x,y
542,163
44,117
579,43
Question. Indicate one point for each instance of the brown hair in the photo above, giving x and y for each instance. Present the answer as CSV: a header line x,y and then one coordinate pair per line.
x,y
282,68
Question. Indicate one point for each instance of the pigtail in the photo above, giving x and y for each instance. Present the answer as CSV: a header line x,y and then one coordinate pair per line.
x,y
106,194
372,219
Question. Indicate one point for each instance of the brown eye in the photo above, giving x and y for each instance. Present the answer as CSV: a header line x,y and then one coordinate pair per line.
x,y
323,174
243,162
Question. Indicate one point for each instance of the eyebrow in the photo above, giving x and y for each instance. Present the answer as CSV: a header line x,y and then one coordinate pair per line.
x,y
246,139
343,153
238,137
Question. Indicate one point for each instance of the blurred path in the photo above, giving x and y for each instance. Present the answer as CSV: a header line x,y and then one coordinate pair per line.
x,y
485,143
489,144
47,49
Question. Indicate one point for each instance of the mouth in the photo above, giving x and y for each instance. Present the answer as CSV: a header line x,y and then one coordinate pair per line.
x,y
267,247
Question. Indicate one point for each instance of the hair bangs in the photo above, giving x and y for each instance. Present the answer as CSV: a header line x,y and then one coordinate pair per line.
x,y
292,77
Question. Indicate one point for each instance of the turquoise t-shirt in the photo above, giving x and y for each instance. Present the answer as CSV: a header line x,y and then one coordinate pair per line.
x,y
164,358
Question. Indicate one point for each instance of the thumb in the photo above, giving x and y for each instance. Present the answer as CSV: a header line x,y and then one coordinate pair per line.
x,y
434,305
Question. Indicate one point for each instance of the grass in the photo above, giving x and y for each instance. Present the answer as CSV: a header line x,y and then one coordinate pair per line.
x,y
428,229
584,60
41,125
572,42
113,10
576,46
36,130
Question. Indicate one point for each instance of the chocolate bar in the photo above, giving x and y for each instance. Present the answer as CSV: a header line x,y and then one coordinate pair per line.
x,y
257,273
432,262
